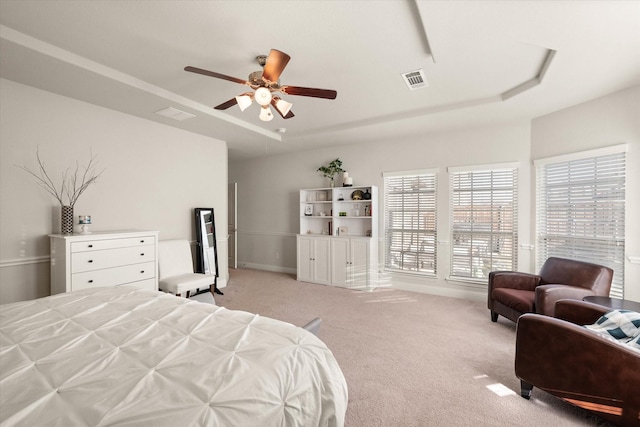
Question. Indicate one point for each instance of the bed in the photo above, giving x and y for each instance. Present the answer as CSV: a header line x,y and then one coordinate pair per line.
x,y
126,356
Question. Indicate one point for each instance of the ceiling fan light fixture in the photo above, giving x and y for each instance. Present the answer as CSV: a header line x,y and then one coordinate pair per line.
x,y
265,114
244,101
283,106
262,96
264,83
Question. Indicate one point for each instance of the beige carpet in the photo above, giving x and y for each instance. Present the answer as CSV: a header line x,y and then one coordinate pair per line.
x,y
410,359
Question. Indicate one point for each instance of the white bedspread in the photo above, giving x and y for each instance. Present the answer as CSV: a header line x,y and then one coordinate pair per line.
x,y
122,356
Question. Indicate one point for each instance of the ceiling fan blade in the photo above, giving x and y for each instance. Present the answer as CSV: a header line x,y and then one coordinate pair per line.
x,y
225,105
276,61
309,91
214,74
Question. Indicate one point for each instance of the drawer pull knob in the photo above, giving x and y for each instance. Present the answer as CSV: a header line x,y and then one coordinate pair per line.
x,y
90,260
90,246
91,281
142,254
142,271
141,241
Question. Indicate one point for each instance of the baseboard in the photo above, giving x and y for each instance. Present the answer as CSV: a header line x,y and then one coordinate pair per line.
x,y
449,291
265,267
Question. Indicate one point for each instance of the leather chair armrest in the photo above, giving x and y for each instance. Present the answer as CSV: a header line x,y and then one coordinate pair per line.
x,y
548,295
513,280
579,312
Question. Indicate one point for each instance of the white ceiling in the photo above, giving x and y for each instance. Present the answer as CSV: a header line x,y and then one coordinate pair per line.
x,y
485,61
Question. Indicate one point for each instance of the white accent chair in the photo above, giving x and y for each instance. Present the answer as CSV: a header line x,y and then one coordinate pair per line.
x,y
175,268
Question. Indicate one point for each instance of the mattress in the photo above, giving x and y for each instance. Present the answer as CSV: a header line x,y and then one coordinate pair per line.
x,y
125,356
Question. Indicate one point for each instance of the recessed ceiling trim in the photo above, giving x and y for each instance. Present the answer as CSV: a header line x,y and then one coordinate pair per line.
x,y
532,82
175,114
60,54
423,31
547,62
447,107
405,115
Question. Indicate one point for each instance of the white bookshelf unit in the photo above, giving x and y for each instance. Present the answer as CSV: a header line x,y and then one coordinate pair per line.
x,y
338,240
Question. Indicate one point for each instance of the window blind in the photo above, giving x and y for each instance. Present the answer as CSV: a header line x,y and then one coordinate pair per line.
x,y
580,212
410,222
483,222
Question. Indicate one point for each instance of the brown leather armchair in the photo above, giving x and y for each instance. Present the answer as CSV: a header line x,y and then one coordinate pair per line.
x,y
577,365
513,293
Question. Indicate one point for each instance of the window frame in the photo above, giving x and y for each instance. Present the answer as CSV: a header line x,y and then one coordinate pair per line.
x,y
590,248
428,252
492,237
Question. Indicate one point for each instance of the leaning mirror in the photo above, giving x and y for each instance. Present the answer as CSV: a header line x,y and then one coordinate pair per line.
x,y
207,251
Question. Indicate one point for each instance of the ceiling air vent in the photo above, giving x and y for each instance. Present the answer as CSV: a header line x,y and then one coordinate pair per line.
x,y
415,79
175,114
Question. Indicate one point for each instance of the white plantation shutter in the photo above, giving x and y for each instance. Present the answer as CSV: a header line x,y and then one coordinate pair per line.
x,y
580,210
410,221
483,221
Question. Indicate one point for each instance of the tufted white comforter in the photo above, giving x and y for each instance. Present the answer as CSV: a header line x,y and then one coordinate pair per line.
x,y
123,356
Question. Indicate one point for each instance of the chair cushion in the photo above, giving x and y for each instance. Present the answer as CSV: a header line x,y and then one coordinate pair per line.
x,y
517,299
186,282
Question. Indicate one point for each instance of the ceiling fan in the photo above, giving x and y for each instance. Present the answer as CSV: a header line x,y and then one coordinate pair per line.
x,y
264,83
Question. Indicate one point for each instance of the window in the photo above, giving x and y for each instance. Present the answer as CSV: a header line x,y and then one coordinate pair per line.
x,y
484,231
580,202
410,221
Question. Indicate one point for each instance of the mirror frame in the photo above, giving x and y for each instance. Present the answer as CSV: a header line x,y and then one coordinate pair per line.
x,y
203,242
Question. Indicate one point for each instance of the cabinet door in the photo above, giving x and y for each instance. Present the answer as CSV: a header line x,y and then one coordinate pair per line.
x,y
339,262
322,260
305,256
358,263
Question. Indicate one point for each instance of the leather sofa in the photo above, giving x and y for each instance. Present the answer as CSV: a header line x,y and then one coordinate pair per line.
x,y
577,365
512,293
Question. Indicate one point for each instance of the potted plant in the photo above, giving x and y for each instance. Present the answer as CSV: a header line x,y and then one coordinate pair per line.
x,y
329,171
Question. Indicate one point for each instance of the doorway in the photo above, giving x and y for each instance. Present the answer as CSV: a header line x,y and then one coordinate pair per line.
x,y
232,204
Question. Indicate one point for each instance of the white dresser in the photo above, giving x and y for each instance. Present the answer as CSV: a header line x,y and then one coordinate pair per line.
x,y
104,258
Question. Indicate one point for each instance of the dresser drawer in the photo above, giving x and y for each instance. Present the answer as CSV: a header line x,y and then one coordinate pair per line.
x,y
96,260
113,276
98,245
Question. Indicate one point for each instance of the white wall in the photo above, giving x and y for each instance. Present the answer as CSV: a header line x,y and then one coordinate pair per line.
x,y
268,187
610,120
268,201
154,175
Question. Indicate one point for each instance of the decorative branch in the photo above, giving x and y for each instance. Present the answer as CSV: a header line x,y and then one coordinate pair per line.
x,y
72,185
